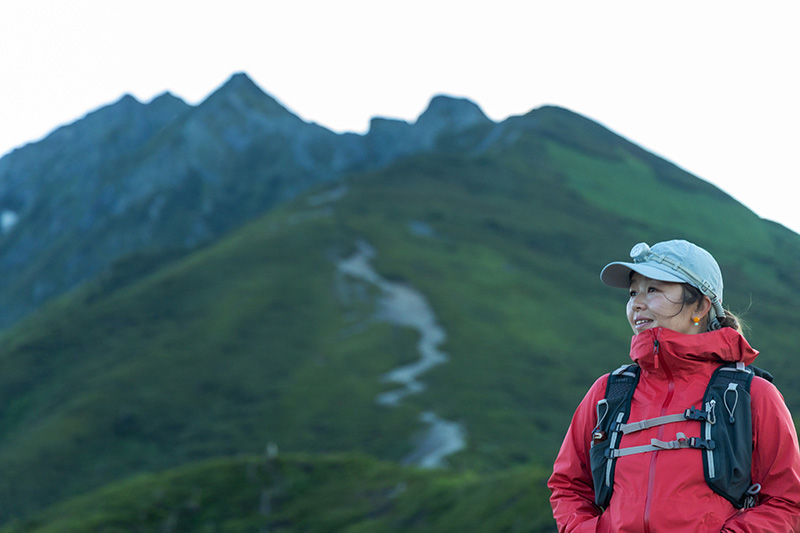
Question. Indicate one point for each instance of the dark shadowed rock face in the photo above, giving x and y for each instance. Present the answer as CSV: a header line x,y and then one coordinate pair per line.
x,y
448,115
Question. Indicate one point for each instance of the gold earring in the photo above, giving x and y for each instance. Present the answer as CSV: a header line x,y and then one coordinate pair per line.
x,y
696,320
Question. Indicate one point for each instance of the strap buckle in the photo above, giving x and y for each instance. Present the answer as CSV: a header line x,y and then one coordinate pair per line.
x,y
702,444
696,414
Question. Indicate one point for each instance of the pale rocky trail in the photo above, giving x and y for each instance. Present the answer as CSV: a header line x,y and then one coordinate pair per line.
x,y
403,305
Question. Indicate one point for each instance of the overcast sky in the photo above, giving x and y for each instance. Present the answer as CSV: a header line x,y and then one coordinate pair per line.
x,y
710,85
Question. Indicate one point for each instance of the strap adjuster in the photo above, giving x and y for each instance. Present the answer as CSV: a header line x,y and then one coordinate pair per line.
x,y
696,414
702,444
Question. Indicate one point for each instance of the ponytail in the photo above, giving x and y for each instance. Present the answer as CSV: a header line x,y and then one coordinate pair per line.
x,y
732,321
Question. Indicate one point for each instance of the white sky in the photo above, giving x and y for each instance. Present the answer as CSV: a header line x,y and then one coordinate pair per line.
x,y
712,86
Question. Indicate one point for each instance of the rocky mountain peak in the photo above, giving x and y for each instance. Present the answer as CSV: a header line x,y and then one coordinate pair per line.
x,y
241,93
447,114
167,100
458,113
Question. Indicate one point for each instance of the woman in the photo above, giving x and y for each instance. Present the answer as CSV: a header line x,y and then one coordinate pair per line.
x,y
659,477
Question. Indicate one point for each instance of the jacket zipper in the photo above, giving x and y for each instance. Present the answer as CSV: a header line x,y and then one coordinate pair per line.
x,y
654,457
655,352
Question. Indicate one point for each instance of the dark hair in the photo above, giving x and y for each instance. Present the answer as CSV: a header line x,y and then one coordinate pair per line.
x,y
692,296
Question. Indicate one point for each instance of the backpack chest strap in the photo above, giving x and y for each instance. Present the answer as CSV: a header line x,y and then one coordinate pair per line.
x,y
688,414
650,423
680,442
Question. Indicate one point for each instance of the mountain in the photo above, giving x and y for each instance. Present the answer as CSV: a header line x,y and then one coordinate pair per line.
x,y
437,309
132,177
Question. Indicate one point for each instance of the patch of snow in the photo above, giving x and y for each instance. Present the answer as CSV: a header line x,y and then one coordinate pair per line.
x,y
327,196
8,219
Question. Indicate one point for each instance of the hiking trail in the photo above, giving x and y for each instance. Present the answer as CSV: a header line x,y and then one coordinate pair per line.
x,y
403,305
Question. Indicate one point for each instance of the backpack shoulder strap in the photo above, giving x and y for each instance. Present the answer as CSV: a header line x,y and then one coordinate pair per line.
x,y
727,464
612,412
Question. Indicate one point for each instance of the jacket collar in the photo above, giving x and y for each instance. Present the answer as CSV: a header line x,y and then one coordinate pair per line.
x,y
684,352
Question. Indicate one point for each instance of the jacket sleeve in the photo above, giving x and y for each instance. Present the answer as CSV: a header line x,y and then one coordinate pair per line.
x,y
571,486
776,466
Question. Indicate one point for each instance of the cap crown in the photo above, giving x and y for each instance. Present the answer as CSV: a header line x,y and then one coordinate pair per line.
x,y
677,261
689,262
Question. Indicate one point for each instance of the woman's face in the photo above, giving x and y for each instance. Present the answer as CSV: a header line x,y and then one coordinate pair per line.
x,y
654,303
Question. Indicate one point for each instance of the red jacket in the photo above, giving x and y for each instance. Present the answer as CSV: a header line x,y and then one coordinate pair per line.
x,y
665,491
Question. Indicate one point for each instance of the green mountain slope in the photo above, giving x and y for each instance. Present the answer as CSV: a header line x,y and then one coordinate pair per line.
x,y
305,493
264,338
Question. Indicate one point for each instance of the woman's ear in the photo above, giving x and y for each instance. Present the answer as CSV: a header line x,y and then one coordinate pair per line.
x,y
703,306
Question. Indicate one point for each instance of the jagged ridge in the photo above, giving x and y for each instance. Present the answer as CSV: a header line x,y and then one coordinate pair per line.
x,y
133,176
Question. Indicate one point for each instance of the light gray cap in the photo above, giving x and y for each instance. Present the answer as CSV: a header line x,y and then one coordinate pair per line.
x,y
676,261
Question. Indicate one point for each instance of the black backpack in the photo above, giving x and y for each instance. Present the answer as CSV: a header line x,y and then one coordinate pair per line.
x,y
726,430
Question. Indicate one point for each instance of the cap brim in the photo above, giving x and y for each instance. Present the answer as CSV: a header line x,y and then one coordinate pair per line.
x,y
619,274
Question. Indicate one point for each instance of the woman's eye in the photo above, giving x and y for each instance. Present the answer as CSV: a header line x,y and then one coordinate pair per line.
x,y
632,293
651,289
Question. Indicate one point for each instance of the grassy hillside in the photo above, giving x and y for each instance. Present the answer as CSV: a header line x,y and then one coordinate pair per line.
x,y
172,359
344,493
